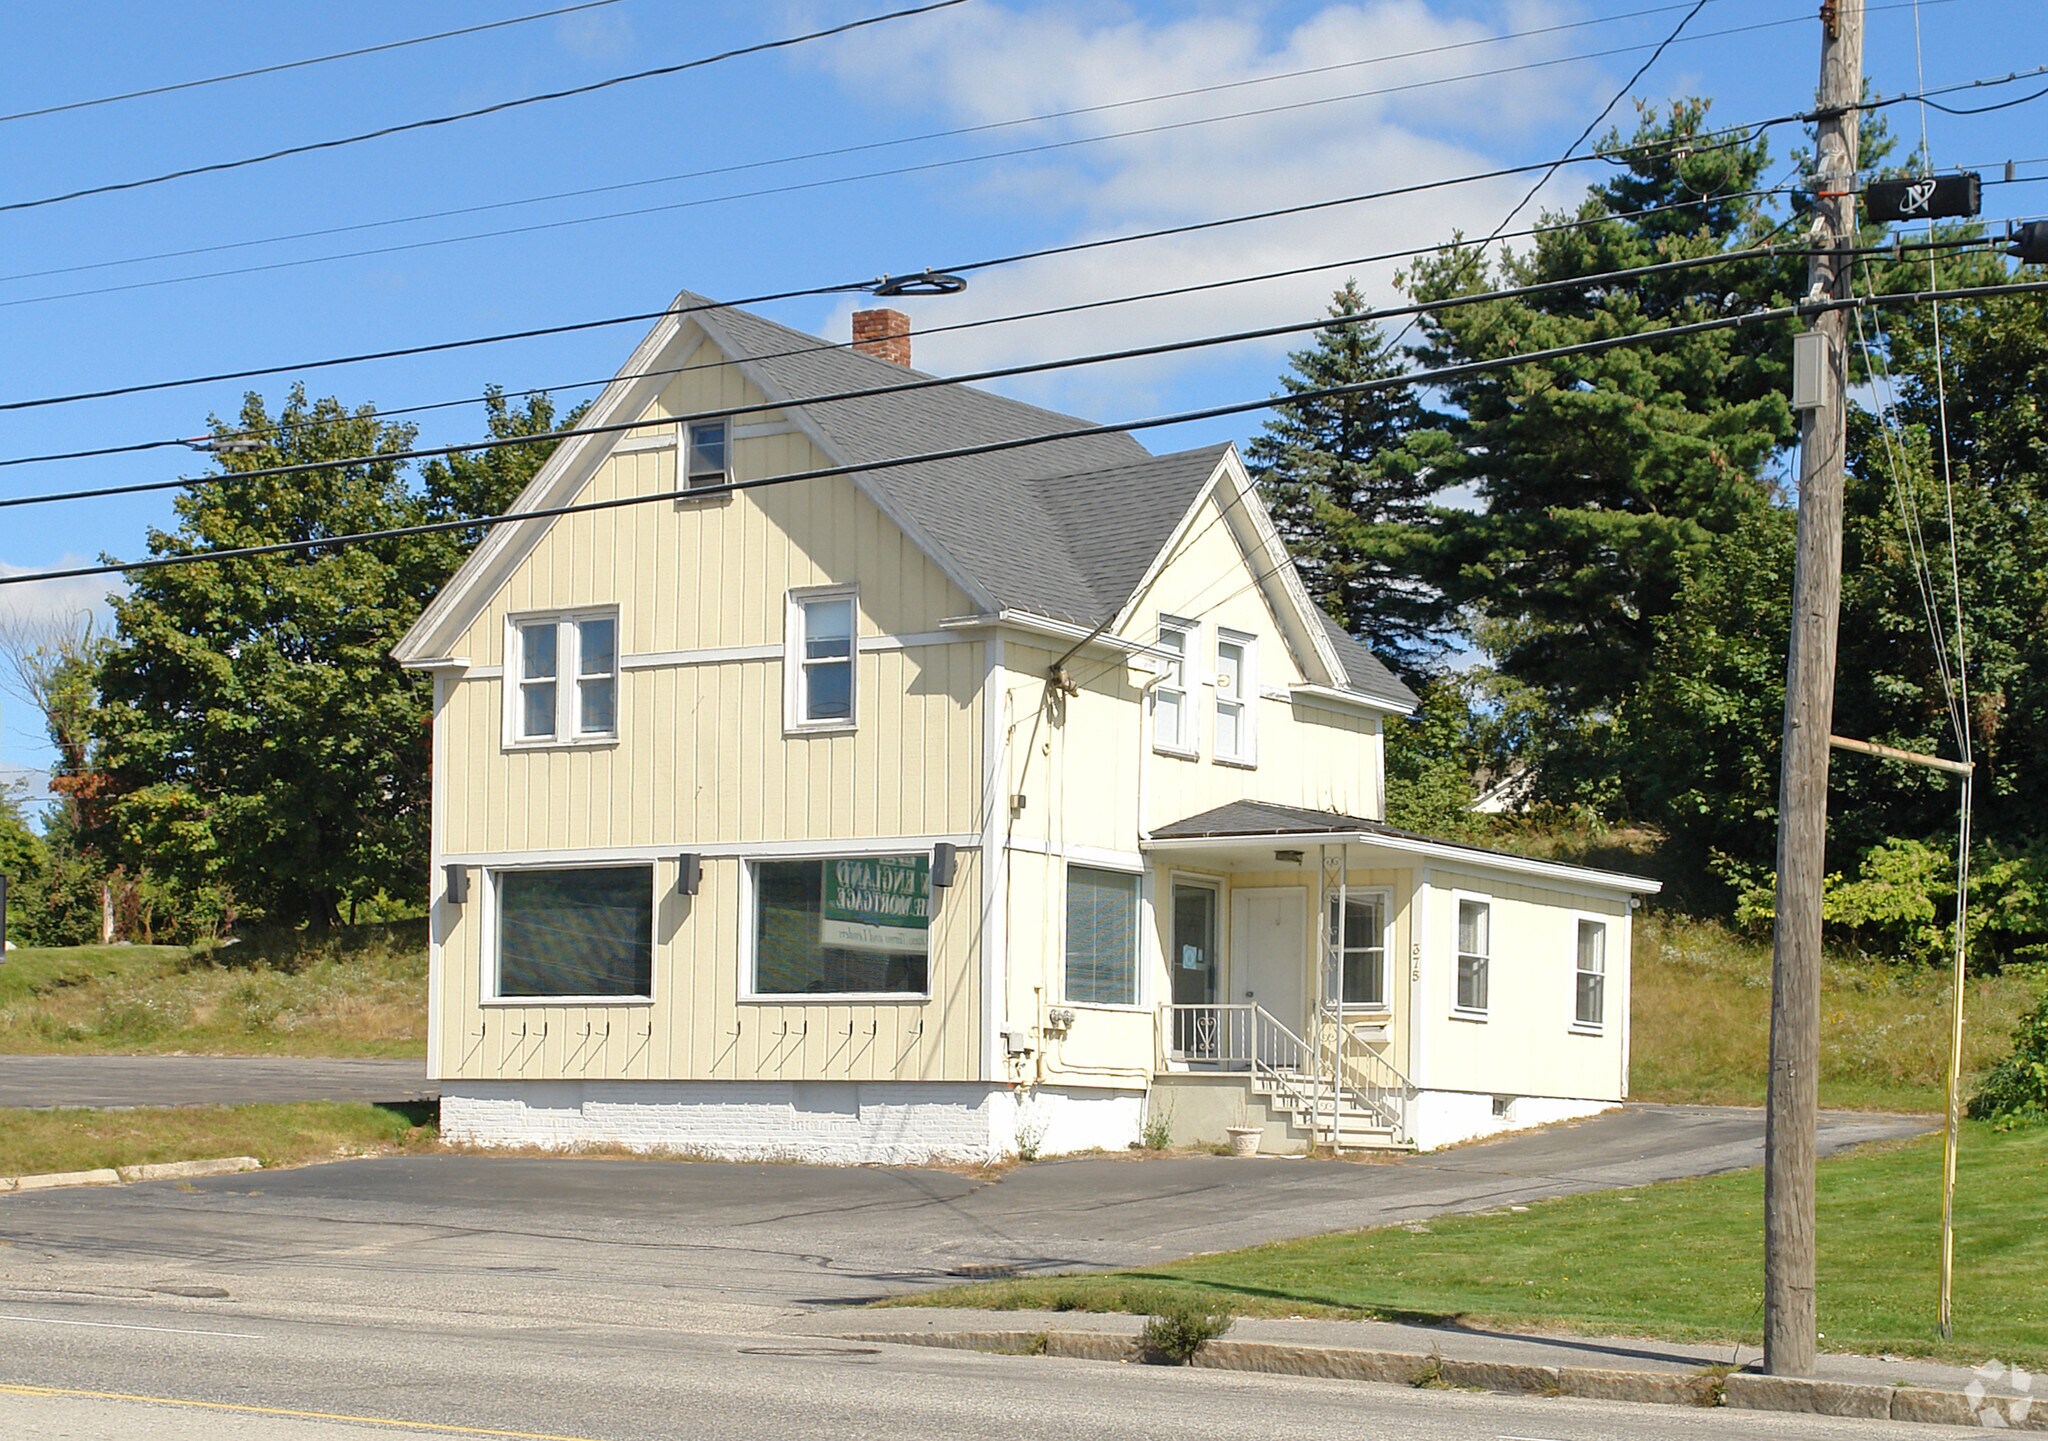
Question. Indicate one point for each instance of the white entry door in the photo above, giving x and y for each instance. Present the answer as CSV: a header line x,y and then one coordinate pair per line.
x,y
1269,958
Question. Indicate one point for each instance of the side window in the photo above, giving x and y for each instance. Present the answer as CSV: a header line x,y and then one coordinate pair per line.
x,y
1236,689
564,679
1590,1009
1102,937
1172,716
1361,932
707,454
582,933
819,659
1475,952
597,676
539,666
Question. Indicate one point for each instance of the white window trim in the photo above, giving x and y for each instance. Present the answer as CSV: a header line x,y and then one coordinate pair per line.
x,y
1188,745
1246,700
1138,1000
1385,896
686,455
750,937
490,998
1467,1013
568,663
1607,923
793,722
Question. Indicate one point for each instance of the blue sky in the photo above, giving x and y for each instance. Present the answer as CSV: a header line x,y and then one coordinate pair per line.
x,y
987,61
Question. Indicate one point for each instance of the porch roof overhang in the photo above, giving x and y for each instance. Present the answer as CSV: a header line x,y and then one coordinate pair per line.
x,y
1246,834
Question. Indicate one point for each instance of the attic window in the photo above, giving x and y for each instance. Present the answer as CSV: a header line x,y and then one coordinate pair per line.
x,y
707,454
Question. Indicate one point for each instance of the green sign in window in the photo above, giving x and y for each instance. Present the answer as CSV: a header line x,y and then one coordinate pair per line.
x,y
877,903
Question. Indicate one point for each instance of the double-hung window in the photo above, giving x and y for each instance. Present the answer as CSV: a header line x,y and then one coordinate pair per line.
x,y
1236,687
1475,953
1359,926
707,454
820,651
1173,720
1102,937
1590,1009
565,679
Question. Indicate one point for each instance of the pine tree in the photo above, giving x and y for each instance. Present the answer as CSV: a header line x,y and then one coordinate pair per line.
x,y
1346,498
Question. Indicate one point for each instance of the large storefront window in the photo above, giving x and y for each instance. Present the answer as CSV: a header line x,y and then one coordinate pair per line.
x,y
584,932
846,926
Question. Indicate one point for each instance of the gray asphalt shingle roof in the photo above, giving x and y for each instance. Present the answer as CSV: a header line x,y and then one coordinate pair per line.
x,y
1066,529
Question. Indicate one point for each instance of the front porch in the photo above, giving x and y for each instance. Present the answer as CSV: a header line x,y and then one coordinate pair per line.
x,y
1348,985
1238,1065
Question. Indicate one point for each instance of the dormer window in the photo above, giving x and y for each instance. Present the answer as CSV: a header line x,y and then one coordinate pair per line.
x,y
707,454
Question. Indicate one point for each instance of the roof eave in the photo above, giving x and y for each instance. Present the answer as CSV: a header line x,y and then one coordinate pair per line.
x,y
1425,849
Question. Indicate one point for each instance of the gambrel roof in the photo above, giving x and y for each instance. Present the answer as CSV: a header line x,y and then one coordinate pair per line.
x,y
1067,530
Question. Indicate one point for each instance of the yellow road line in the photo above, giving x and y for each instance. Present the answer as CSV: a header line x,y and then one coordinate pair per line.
x,y
7,1389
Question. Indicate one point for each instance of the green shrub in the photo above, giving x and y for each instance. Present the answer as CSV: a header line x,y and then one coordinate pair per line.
x,y
2015,1093
1181,1327
1157,1132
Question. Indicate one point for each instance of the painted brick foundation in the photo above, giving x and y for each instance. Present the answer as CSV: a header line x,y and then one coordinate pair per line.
x,y
833,1122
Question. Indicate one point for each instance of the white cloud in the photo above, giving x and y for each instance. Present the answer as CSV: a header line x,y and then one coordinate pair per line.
x,y
987,62
596,34
36,601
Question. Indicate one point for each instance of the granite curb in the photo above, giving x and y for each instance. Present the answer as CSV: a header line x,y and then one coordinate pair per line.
x,y
1709,1387
123,1175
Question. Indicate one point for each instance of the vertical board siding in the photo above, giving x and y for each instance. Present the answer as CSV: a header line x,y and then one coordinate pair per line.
x,y
702,759
1526,1046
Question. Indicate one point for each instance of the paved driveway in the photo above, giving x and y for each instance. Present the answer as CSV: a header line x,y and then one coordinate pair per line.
x,y
691,1243
204,1080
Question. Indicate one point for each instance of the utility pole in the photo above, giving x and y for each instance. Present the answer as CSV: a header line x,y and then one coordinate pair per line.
x,y
1790,1330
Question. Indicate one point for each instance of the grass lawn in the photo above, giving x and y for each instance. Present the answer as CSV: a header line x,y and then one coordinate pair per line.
x,y
32,1142
1700,1022
1683,1260
362,994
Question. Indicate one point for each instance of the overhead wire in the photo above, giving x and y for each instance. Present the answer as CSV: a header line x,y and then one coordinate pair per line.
x,y
496,108
986,263
1959,708
869,146
821,346
924,383
972,451
1592,125
287,65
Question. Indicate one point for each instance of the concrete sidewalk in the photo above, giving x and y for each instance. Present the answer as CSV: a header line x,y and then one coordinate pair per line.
x,y
1614,1368
124,1081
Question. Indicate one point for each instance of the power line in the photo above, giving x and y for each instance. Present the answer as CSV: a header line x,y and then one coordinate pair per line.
x,y
869,146
216,167
1748,132
1017,257
968,452
1591,125
1170,347
279,69
794,187
821,346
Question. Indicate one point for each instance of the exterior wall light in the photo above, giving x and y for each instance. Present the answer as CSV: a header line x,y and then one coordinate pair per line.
x,y
689,873
945,859
457,890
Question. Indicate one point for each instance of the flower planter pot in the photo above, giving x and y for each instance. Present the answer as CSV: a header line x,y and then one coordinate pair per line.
x,y
1244,1140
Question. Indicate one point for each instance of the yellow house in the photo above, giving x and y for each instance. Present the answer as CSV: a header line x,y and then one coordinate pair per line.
x,y
1006,800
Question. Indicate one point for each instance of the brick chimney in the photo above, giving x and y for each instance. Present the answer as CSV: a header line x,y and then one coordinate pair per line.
x,y
884,334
